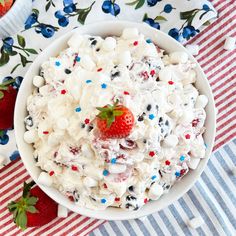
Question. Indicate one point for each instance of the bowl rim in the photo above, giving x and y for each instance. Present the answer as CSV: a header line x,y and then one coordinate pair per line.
x,y
98,213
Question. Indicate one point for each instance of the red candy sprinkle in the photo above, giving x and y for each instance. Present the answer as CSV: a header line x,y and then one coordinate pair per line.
x,y
135,43
152,154
152,72
145,200
126,93
117,199
104,185
86,121
167,163
170,82
182,171
187,136
195,122
45,132
71,198
51,173
74,168
63,91
99,69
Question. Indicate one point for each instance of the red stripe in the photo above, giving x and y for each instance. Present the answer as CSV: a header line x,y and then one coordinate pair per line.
x,y
225,123
227,105
225,115
18,166
226,98
220,60
225,131
224,82
218,3
89,225
223,92
228,138
94,228
8,165
13,178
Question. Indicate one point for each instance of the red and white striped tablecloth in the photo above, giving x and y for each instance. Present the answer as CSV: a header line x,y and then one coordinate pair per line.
x,y
220,68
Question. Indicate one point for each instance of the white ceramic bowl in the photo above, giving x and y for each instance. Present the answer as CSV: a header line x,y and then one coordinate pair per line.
x,y
104,29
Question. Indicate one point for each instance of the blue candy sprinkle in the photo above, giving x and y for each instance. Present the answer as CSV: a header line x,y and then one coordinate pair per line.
x,y
151,116
177,174
105,172
77,59
153,177
149,41
15,155
182,158
205,145
104,86
57,63
113,160
103,200
88,81
78,109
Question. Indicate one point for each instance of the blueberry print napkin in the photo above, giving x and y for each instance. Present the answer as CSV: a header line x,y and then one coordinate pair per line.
x,y
181,19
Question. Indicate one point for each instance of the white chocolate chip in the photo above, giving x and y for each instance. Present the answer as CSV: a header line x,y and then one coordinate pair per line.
x,y
125,58
38,81
178,57
170,141
62,211
193,49
31,136
45,179
90,182
196,222
165,74
130,33
186,117
155,191
87,63
116,168
229,43
201,101
109,44
193,163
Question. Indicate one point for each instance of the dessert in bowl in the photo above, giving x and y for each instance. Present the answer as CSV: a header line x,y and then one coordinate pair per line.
x,y
116,117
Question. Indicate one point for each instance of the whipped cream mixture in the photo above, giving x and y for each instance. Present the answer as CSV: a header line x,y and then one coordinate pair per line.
x,y
158,88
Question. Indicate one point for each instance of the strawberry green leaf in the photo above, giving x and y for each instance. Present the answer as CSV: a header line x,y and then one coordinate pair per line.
x,y
1,96
31,209
31,200
21,220
117,113
27,187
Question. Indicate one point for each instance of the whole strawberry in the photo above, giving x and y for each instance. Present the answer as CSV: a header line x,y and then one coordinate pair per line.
x,y
34,208
5,5
7,104
115,121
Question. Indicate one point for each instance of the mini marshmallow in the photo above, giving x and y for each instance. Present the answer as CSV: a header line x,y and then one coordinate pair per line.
x,y
109,44
75,41
45,179
62,123
196,222
165,74
62,211
44,90
125,58
90,182
234,171
38,81
201,101
186,117
87,63
130,33
178,57
229,43
2,160
193,49
170,141
193,163
117,168
30,136
155,191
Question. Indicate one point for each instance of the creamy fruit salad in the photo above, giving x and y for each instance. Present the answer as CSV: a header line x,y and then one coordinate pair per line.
x,y
116,121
